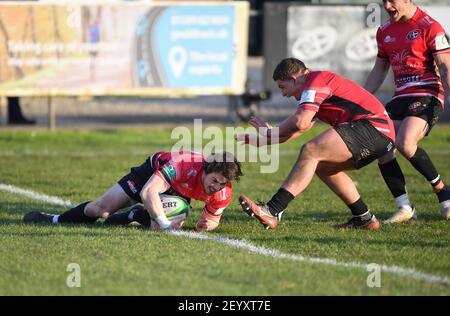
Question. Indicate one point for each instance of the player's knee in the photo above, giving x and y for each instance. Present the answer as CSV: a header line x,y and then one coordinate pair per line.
x,y
324,170
321,171
95,209
407,148
309,150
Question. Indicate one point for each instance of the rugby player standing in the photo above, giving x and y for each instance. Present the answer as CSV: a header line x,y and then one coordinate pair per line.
x,y
414,45
361,132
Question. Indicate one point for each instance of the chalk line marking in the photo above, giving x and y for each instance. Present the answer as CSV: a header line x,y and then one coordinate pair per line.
x,y
245,245
34,195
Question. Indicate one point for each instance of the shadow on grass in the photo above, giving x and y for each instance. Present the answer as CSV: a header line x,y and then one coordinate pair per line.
x,y
337,216
238,216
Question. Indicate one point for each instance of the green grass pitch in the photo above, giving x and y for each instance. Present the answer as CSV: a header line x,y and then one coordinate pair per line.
x,y
81,165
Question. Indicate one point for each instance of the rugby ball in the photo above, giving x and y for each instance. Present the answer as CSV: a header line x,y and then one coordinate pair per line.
x,y
175,207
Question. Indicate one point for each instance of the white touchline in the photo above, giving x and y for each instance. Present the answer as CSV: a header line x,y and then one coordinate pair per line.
x,y
242,244
34,195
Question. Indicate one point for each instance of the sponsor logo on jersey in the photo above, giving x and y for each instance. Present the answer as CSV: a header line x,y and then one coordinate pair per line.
x,y
398,58
389,39
413,35
364,153
132,186
441,42
192,173
406,79
390,146
169,172
427,21
414,106
308,96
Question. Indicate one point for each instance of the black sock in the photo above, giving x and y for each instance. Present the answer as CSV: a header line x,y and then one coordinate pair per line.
x,y
360,209
394,178
279,202
76,215
141,216
422,162
444,194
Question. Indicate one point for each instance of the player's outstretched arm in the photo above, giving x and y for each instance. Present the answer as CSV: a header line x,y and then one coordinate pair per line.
x,y
443,64
295,125
292,127
377,75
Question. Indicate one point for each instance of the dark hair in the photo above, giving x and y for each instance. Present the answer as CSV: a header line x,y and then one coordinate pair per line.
x,y
287,68
225,164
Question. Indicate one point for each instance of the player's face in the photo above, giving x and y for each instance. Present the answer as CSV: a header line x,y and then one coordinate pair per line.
x,y
214,182
292,87
286,87
397,9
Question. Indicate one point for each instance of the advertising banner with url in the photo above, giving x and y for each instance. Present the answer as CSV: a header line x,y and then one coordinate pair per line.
x,y
143,49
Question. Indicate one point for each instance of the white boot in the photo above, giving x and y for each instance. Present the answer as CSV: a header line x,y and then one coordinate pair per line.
x,y
403,214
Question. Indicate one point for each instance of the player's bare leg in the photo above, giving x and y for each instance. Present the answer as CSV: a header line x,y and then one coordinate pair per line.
x,y
409,133
113,200
87,212
333,175
298,179
329,147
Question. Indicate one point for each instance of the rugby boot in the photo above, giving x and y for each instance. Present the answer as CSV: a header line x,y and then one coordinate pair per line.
x,y
260,211
357,223
444,202
38,217
403,214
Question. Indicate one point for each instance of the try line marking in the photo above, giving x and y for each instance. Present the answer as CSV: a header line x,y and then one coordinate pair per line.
x,y
243,244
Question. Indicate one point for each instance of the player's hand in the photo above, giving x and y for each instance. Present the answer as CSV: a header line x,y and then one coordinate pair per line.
x,y
174,225
250,139
257,123
207,222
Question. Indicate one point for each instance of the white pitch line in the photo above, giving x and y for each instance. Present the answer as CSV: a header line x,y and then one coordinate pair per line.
x,y
242,244
34,195
245,245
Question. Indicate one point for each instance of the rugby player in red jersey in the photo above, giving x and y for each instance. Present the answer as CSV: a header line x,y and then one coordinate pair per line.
x,y
186,174
415,46
361,132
